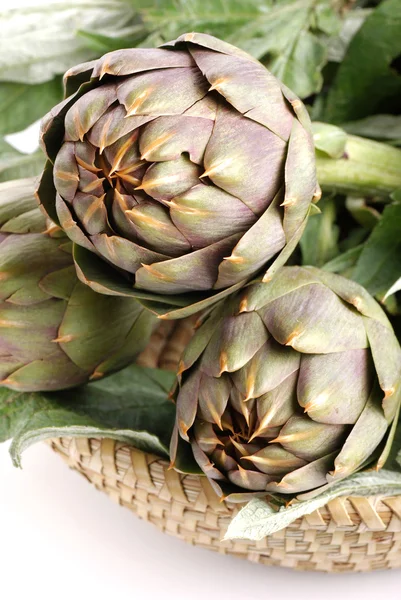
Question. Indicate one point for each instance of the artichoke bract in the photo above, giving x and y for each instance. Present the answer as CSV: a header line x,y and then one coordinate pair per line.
x,y
55,332
186,168
291,386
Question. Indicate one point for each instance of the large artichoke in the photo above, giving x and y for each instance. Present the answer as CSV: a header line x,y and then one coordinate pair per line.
x,y
290,387
55,332
187,168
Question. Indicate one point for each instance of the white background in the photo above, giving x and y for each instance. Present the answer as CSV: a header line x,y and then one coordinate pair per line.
x,y
61,539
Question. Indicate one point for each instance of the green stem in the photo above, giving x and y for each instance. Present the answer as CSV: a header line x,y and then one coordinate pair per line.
x,y
366,168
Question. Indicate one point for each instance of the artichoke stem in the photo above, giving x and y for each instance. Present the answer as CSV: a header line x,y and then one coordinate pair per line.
x,y
366,168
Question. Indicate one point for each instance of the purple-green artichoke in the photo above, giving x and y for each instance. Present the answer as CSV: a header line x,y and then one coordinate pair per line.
x,y
55,332
186,168
290,386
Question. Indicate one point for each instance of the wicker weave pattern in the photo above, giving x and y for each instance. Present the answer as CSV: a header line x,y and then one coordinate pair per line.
x,y
349,534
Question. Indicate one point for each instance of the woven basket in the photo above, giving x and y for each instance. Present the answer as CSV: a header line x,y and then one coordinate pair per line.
x,y
349,534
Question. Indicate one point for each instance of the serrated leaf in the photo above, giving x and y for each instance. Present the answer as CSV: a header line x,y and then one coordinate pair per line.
x,y
366,81
258,519
301,69
38,42
288,39
131,406
379,264
327,19
288,36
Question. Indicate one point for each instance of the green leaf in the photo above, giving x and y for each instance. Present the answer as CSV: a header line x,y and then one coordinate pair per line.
x,y
365,81
319,242
363,213
217,17
385,128
396,287
301,69
289,39
288,36
14,164
345,261
131,406
40,41
22,104
105,43
352,22
379,264
259,519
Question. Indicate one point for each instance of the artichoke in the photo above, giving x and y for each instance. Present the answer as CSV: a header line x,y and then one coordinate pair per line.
x,y
169,163
55,332
289,387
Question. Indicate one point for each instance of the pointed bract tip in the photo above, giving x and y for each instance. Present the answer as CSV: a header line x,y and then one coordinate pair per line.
x,y
64,339
340,472
243,305
217,83
256,433
245,458
388,393
223,362
357,302
52,228
320,400
183,429
317,195
283,484
96,375
103,70
181,367
292,337
218,422
217,167
239,260
289,202
267,277
198,323
163,317
296,103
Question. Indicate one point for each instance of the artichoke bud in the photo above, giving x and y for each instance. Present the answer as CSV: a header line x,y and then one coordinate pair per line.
x,y
55,332
172,166
302,414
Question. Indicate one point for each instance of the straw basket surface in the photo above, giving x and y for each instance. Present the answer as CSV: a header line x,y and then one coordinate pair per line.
x,y
349,534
